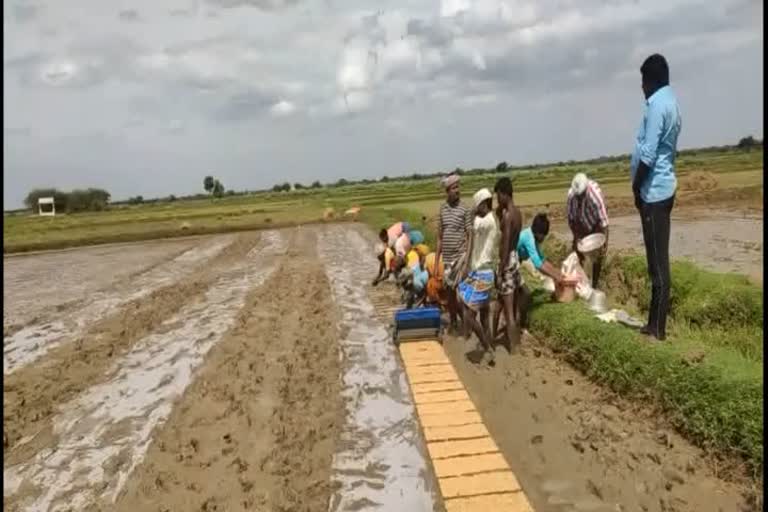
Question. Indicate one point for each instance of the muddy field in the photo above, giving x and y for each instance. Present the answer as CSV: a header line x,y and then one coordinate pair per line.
x,y
723,240
251,372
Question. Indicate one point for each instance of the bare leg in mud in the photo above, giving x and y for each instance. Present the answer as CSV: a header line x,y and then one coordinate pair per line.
x,y
511,326
480,328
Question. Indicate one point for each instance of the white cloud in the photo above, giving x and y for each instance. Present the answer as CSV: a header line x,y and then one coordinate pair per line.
x,y
282,108
183,86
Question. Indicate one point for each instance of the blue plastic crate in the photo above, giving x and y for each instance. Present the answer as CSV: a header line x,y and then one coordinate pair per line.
x,y
424,321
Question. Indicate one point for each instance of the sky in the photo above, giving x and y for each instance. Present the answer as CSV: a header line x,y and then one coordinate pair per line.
x,y
147,97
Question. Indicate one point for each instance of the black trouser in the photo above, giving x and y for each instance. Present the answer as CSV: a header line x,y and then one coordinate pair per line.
x,y
655,218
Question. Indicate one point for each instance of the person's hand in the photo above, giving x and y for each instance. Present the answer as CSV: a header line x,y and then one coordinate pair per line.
x,y
638,202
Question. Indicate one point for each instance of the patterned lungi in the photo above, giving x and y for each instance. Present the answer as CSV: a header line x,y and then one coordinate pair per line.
x,y
475,290
453,271
511,278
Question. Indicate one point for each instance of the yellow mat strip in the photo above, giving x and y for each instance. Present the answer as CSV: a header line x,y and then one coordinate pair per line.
x,y
472,473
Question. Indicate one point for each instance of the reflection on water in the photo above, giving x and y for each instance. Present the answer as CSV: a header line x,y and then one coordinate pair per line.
x,y
381,464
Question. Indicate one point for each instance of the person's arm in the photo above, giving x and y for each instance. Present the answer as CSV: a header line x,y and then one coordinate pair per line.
x,y
504,246
378,274
570,211
539,262
439,248
549,269
467,257
648,150
596,196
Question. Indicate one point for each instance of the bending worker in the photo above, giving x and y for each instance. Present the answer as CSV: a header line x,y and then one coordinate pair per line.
x,y
529,247
587,215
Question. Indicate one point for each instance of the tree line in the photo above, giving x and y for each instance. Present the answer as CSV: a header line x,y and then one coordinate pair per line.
x,y
95,199
78,200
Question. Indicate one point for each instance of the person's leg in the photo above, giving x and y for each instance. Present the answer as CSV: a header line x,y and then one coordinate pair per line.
x,y
453,305
511,326
522,304
497,310
597,265
485,314
660,220
645,221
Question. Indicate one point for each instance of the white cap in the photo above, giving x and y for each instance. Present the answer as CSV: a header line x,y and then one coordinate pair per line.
x,y
579,184
481,195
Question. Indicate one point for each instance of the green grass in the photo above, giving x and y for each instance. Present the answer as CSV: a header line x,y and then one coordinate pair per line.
x,y
716,401
546,184
707,377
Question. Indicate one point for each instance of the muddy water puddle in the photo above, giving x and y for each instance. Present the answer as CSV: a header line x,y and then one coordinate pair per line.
x,y
34,341
381,463
105,433
36,283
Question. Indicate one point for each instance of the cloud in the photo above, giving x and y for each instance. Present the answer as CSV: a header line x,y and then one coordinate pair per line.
x,y
24,11
282,108
454,82
129,15
266,5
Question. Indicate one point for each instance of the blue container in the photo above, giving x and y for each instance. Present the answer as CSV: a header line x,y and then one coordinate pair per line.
x,y
420,322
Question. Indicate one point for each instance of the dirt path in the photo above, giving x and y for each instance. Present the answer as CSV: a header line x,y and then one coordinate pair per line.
x,y
575,447
257,429
33,393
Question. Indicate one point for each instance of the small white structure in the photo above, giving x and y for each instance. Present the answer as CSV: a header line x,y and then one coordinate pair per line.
x,y
50,207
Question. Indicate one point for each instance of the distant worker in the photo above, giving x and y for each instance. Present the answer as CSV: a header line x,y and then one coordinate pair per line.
x,y
478,281
654,183
587,215
453,225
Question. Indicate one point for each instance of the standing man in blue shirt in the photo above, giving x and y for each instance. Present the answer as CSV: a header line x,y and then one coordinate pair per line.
x,y
654,183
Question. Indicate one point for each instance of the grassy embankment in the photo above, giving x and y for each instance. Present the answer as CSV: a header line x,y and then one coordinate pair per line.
x,y
738,172
707,378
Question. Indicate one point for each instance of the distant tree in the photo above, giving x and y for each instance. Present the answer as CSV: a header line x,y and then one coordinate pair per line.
x,y
747,142
136,200
342,182
208,184
230,192
458,171
286,187
384,179
317,184
218,188
277,188
59,198
298,186
171,198
502,167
